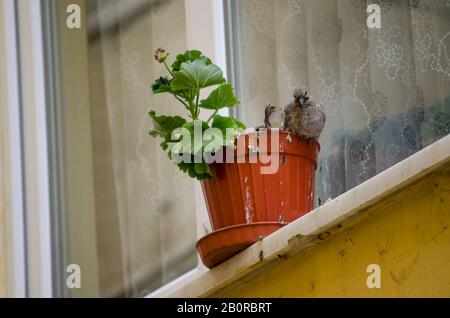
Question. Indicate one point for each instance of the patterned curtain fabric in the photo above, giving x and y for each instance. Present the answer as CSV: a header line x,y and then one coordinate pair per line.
x,y
386,91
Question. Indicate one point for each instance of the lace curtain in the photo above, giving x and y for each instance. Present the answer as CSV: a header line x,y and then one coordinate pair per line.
x,y
386,91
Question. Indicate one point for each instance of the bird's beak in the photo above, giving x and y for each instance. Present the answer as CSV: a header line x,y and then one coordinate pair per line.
x,y
304,99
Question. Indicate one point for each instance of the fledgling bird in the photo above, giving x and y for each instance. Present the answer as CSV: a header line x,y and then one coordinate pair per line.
x,y
293,114
273,118
304,115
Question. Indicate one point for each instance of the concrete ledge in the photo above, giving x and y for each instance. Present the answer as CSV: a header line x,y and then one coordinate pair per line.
x,y
314,227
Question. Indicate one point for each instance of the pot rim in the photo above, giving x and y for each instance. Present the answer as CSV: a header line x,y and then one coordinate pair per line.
x,y
307,151
280,133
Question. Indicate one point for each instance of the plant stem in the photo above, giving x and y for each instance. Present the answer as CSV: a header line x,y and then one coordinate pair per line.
x,y
215,113
167,67
192,110
181,101
197,109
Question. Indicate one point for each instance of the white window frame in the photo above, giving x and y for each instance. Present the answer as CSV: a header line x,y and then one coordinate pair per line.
x,y
11,174
28,225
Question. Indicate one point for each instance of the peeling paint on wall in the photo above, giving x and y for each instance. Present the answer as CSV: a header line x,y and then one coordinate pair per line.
x,y
407,234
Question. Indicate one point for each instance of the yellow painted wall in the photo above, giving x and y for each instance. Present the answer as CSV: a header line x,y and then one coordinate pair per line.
x,y
408,235
2,260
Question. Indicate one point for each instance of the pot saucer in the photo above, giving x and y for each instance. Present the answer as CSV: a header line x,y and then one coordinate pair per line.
x,y
222,244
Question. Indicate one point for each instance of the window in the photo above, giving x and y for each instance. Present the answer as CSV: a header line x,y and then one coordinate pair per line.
x,y
125,214
118,208
386,91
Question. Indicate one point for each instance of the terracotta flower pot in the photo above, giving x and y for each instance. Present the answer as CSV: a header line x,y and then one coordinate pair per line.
x,y
245,205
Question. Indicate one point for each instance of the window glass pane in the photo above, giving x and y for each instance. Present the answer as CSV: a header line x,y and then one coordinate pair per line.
x,y
3,155
127,214
386,91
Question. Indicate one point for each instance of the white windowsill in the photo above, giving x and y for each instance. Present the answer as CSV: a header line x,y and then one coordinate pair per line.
x,y
304,231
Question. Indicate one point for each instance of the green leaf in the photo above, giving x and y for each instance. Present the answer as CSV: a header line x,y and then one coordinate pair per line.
x,y
163,126
189,56
196,75
199,171
229,127
239,124
213,141
200,168
162,85
191,125
196,145
224,122
223,96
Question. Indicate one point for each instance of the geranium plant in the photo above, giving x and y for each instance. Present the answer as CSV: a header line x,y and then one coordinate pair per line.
x,y
186,77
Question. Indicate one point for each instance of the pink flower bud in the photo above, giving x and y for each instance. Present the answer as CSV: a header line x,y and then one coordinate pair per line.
x,y
161,55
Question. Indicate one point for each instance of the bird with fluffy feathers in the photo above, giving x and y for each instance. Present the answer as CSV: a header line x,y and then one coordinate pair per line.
x,y
304,116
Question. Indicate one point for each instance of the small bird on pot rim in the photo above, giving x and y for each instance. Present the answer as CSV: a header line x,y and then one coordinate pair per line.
x,y
304,115
273,118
